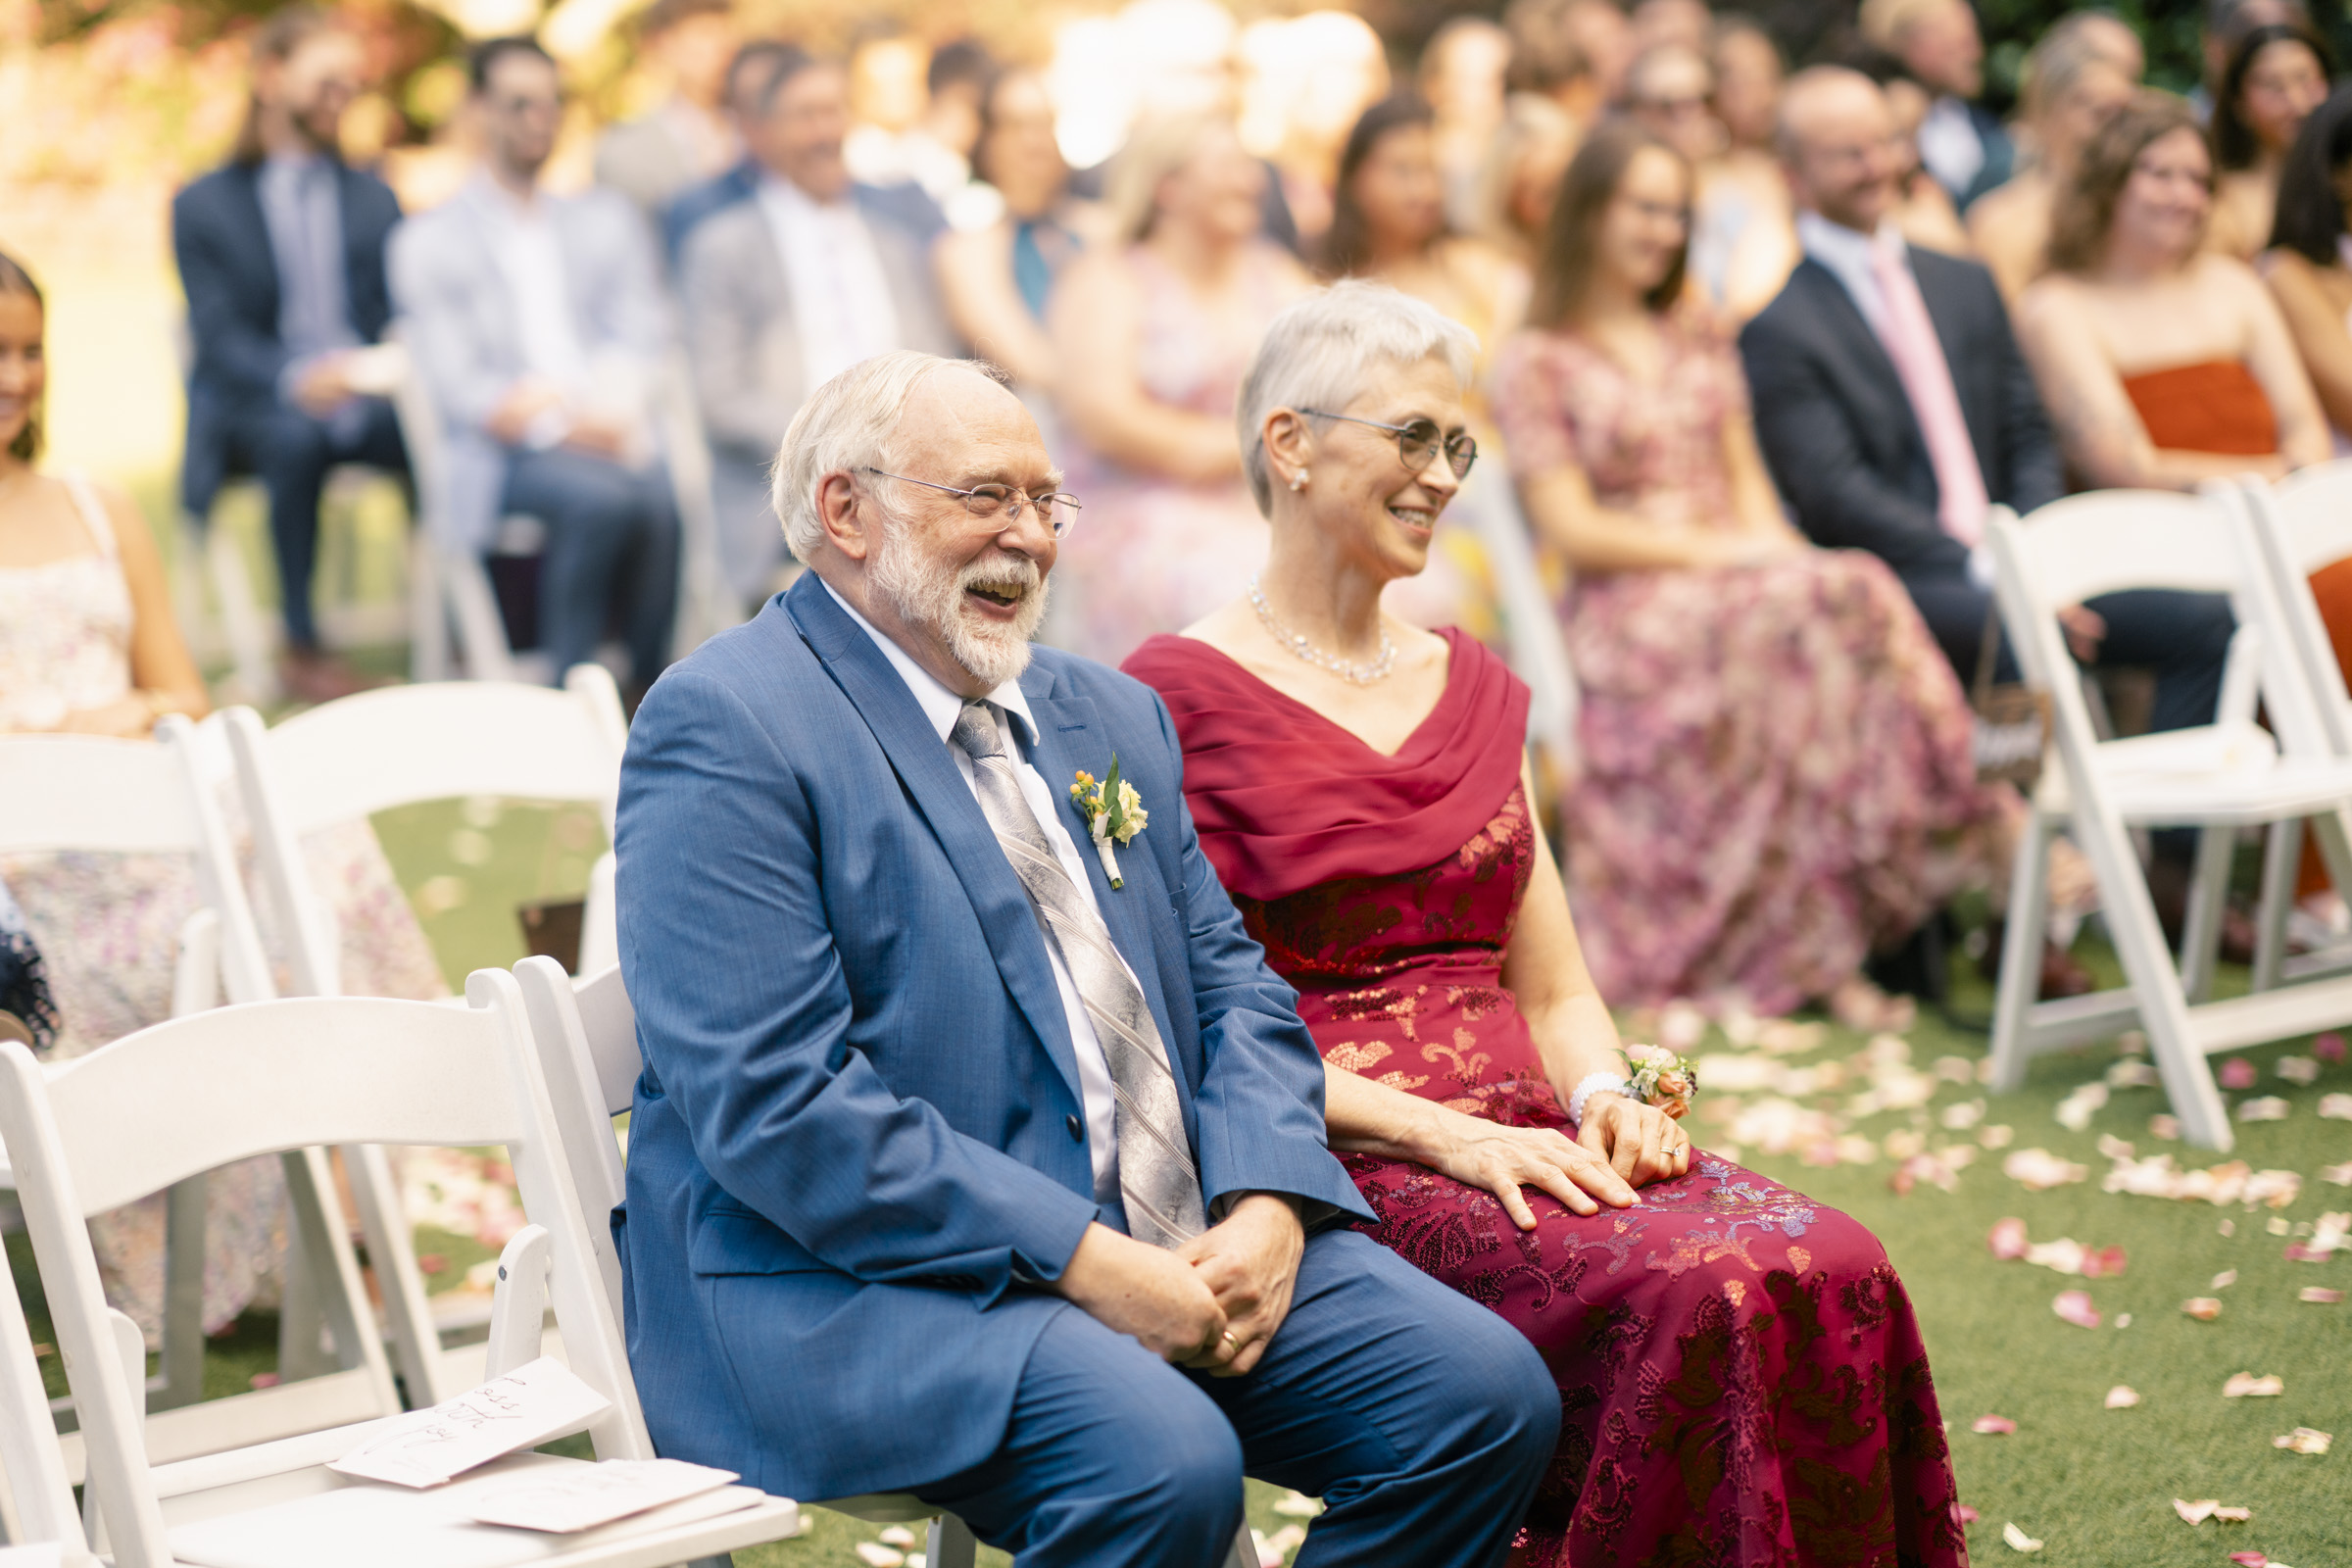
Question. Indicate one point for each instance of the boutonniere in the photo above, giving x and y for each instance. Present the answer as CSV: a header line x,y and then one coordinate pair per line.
x,y
1113,812
1662,1078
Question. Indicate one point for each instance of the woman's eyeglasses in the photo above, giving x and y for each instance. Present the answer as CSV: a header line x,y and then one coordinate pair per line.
x,y
1418,442
999,505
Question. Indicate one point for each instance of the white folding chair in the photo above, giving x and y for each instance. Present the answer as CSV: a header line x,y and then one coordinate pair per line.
x,y
2220,777
74,792
2302,525
198,1093
586,1036
397,746
1530,622
707,607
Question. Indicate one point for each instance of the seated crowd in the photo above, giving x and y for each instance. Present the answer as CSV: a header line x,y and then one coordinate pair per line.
x,y
1753,355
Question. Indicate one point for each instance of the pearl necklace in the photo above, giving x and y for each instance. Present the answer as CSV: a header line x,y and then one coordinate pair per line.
x,y
1363,674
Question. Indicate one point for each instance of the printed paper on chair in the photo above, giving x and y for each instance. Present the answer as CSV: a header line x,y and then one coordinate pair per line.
x,y
534,1402
587,1495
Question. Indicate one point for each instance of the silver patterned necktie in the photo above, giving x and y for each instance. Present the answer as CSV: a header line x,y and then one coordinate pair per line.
x,y
1157,1181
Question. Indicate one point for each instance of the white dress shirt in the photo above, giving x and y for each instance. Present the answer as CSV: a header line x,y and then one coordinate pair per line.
x,y
1950,147
943,708
841,302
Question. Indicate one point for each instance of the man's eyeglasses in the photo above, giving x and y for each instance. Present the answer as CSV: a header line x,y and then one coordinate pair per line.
x,y
1418,442
1001,506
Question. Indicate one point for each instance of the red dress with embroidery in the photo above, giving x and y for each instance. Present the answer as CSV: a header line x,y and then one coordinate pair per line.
x,y
1741,1379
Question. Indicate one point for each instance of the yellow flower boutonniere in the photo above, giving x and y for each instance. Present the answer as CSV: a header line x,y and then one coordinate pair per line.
x,y
1114,814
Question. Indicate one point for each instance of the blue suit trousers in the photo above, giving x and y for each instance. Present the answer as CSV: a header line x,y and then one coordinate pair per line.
x,y
1423,1420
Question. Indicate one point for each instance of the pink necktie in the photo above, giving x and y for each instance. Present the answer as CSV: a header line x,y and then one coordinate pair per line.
x,y
1909,338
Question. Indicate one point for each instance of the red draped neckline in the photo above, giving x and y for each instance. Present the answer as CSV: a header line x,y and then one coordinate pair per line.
x,y
1286,800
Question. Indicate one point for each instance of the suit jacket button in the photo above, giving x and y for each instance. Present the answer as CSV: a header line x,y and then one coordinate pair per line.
x,y
1077,1129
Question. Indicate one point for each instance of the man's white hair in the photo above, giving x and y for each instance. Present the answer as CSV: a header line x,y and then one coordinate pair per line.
x,y
1320,351
845,425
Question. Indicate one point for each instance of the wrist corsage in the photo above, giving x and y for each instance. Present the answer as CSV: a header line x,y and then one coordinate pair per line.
x,y
1114,814
1661,1078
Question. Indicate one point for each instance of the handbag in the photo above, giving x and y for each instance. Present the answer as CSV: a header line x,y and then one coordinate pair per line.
x,y
2012,727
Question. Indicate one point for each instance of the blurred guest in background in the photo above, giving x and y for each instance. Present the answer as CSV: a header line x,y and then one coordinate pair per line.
x,y
2226,24
281,255
1668,93
2275,77
934,151
1304,83
1672,25
785,291
537,323
748,74
1730,674
2072,84
1522,174
996,281
1152,333
2309,266
1746,239
2163,363
2105,33
1961,143
1924,211
27,1007
1388,223
88,647
1462,77
689,136
1573,52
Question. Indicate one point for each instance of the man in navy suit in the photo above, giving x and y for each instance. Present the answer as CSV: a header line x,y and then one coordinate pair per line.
x,y
282,254
958,1166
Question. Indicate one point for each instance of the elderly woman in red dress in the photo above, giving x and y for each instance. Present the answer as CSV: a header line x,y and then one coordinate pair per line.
x,y
1740,1372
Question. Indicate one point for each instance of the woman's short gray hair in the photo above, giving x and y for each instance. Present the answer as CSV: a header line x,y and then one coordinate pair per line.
x,y
847,425
1320,351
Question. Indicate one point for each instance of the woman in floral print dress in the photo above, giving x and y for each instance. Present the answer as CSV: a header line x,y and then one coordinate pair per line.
x,y
1740,1376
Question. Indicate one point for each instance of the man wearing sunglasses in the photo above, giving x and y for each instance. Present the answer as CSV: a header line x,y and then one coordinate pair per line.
x,y
536,325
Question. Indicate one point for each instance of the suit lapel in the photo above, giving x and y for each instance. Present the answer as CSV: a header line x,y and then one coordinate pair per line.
x,y
1867,356
920,759
1070,737
246,194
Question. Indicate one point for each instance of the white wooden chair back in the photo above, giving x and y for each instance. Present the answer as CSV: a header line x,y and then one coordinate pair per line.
x,y
198,1093
586,1035
1530,622
124,797
2302,525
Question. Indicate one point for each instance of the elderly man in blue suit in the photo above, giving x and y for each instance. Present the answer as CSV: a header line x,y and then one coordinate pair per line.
x,y
964,1164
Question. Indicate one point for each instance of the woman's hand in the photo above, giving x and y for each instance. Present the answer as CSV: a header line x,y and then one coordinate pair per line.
x,y
1503,1159
1640,1142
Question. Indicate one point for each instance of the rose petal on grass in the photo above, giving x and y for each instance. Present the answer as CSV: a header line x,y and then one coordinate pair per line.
x,y
2103,1262
2232,1516
2265,1108
2038,1170
1996,1136
2250,1559
875,1554
2336,1107
898,1536
1992,1426
2204,1309
2165,1127
2245,1385
2329,1048
2018,1539
2303,1439
2123,1396
2337,1175
2195,1513
2298,1070
2132,1073
2122,1320
2061,1257
2318,1295
1297,1505
2236,1073
2075,1111
2075,1307
2224,1278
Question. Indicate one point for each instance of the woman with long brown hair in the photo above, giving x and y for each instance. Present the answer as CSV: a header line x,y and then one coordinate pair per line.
x,y
1787,697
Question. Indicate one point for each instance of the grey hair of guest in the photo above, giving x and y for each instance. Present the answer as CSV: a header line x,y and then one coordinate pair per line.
x,y
845,425
1320,351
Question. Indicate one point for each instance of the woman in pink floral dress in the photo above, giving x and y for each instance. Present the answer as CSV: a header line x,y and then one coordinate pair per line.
x,y
1786,697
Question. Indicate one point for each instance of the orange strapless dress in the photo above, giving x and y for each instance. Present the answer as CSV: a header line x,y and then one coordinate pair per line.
x,y
2219,406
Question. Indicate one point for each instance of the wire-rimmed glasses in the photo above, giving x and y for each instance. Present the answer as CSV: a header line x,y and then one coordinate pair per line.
x,y
1001,506
1418,442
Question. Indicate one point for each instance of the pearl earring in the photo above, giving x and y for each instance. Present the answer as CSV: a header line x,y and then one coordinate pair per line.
x,y
1298,481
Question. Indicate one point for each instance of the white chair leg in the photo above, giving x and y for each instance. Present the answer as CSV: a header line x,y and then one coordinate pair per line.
x,y
950,1544
2207,900
392,1254
428,616
600,927
184,1295
481,635
130,1349
1245,1549
301,1321
2130,917
2282,859
334,1272
241,620
2021,953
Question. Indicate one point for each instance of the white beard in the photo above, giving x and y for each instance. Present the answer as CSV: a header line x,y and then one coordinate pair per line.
x,y
930,593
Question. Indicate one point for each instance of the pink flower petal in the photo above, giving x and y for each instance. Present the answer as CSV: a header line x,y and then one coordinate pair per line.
x,y
1992,1426
2204,1309
2123,1396
2320,1295
2075,1307
2008,1238
2329,1048
2250,1559
2236,1073
2102,1262
1962,1513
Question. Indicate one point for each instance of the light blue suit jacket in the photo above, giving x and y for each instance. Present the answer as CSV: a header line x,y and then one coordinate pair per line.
x,y
858,1143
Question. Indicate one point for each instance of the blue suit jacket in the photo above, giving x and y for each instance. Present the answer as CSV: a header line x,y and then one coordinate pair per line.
x,y
230,275
906,204
859,1137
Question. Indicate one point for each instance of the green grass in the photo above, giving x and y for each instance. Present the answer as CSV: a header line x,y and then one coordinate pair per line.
x,y
2095,1485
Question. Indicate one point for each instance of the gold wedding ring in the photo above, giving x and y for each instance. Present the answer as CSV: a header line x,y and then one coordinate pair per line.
x,y
1229,1339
